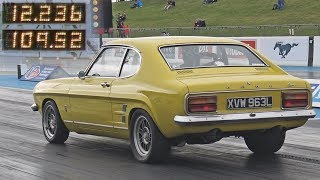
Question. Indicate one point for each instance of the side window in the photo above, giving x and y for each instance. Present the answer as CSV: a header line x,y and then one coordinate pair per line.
x,y
131,64
109,62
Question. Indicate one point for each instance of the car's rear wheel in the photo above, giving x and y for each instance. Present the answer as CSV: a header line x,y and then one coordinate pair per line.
x,y
146,141
53,128
266,142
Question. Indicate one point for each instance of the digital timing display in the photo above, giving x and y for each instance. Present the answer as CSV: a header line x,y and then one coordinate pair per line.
x,y
44,13
44,39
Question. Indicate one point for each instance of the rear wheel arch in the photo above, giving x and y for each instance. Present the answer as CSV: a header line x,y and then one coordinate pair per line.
x,y
139,108
153,149
146,109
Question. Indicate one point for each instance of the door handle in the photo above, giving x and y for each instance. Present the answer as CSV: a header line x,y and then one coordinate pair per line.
x,y
105,84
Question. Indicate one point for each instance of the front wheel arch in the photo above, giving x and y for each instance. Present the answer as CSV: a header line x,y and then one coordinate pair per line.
x,y
45,101
53,127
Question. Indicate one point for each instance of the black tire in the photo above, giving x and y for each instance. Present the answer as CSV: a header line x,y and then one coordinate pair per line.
x,y
54,129
267,142
144,149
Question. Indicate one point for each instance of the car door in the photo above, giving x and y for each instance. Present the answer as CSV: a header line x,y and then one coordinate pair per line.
x,y
124,91
89,96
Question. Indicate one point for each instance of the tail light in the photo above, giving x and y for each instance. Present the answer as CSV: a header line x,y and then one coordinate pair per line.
x,y
295,100
202,104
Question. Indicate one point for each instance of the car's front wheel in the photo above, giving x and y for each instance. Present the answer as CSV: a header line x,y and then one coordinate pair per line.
x,y
146,141
53,128
266,142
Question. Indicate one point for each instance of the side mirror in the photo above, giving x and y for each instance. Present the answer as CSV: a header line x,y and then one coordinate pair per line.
x,y
81,75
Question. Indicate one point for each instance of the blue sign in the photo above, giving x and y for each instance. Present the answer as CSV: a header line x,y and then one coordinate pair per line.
x,y
42,72
314,87
316,96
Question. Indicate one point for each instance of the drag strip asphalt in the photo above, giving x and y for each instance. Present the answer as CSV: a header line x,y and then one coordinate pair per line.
x,y
25,154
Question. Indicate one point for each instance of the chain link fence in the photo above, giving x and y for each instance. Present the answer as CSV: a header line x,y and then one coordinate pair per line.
x,y
221,31
72,65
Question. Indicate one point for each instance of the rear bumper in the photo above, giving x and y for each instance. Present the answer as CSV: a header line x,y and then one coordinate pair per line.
x,y
246,117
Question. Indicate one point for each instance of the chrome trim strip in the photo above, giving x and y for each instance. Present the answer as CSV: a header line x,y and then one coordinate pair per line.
x,y
123,128
34,107
99,125
121,45
67,121
245,117
92,124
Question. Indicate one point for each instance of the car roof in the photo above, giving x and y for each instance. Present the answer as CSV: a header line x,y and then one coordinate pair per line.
x,y
167,40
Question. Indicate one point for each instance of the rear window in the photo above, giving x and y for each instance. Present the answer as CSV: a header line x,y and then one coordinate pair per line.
x,y
197,56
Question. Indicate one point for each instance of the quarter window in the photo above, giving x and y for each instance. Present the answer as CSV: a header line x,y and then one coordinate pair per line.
x,y
108,63
131,64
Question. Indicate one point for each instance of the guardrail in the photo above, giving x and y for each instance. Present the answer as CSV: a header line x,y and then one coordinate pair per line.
x,y
222,31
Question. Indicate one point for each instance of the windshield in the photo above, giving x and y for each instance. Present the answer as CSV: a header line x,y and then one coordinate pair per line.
x,y
197,56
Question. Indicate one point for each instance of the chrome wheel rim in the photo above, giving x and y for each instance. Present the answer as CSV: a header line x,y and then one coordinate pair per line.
x,y
49,122
142,136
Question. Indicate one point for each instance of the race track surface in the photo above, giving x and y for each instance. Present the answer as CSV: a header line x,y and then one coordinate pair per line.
x,y
25,154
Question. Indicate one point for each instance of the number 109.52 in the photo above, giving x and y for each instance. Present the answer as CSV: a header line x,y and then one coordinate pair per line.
x,y
49,40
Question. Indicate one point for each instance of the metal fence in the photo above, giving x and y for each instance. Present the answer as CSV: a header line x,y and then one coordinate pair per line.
x,y
9,63
222,31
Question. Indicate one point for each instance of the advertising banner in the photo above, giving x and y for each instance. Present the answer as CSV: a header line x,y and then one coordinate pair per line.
x,y
315,86
316,51
251,41
286,50
42,72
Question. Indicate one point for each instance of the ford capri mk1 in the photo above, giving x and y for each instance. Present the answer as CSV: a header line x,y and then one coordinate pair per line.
x,y
159,92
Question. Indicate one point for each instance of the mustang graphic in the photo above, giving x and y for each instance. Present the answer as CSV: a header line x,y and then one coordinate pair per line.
x,y
284,49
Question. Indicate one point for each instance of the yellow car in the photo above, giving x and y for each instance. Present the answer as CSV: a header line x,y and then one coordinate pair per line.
x,y
160,92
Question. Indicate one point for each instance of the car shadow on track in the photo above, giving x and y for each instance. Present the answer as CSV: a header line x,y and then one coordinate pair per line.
x,y
97,157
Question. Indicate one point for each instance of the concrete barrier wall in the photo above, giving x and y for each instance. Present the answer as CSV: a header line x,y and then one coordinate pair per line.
x,y
316,51
283,50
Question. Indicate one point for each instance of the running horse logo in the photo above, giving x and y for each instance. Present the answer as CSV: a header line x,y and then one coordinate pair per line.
x,y
284,49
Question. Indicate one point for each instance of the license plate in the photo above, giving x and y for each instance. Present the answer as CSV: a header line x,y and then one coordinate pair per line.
x,y
249,102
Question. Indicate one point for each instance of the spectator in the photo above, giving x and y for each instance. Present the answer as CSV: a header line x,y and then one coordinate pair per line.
x,y
170,4
137,3
119,28
165,33
110,32
122,17
275,6
279,5
209,1
199,23
126,30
